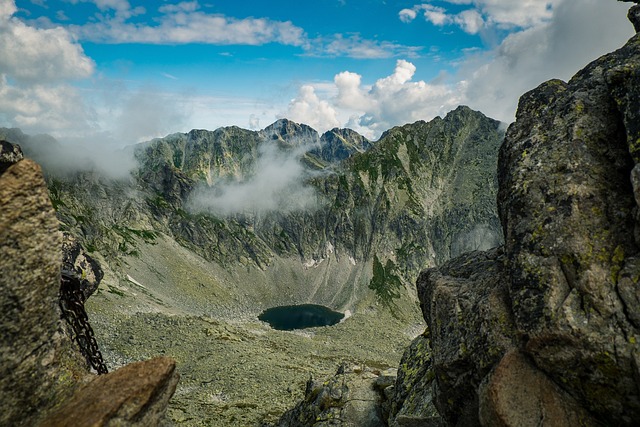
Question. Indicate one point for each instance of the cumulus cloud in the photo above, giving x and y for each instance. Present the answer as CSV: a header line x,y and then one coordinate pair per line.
x,y
407,15
36,68
555,40
276,184
503,14
308,108
372,109
39,55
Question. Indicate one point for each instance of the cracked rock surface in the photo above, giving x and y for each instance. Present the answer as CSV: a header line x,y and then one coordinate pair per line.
x,y
545,330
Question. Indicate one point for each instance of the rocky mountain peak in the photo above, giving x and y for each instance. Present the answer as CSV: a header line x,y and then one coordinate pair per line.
x,y
290,133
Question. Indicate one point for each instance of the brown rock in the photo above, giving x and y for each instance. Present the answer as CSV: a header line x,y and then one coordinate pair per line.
x,y
38,364
519,395
134,395
40,367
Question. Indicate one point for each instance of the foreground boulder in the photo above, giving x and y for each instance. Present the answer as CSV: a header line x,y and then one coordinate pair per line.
x,y
546,330
41,368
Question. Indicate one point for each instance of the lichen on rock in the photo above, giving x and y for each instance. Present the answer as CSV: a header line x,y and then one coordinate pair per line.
x,y
546,328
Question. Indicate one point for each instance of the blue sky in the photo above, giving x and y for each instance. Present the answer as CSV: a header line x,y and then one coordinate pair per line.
x,y
121,71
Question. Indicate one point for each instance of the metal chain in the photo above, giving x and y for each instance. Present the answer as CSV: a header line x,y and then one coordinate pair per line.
x,y
72,306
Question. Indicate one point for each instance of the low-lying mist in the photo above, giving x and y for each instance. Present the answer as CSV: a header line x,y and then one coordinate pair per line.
x,y
277,183
61,159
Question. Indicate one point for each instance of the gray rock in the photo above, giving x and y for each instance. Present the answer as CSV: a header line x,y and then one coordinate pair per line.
x,y
518,394
82,265
546,329
634,17
566,204
9,154
134,395
351,398
41,368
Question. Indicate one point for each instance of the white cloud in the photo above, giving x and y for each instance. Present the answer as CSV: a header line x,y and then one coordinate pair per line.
x,y
36,108
186,6
354,46
39,55
390,101
184,23
504,14
36,66
7,9
407,15
254,121
557,44
146,114
436,15
309,109
277,183
470,21
351,94
578,33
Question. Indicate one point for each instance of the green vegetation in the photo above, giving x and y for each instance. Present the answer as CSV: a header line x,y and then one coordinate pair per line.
x,y
385,282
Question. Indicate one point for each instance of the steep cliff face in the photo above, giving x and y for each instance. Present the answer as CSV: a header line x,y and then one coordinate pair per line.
x,y
545,329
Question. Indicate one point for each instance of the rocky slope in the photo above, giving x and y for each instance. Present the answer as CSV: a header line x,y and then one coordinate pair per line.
x,y
189,283
423,193
545,330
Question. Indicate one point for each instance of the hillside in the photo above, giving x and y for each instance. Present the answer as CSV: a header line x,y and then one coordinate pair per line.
x,y
186,262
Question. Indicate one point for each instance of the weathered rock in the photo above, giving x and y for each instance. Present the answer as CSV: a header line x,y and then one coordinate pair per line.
x,y
39,365
466,305
566,204
351,398
41,368
634,17
76,260
518,394
134,395
546,329
9,154
412,399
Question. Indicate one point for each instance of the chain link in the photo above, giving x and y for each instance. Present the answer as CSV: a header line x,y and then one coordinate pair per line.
x,y
73,312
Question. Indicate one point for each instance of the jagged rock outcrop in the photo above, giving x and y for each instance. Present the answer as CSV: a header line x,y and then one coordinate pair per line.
x,y
76,260
339,144
41,368
545,331
352,398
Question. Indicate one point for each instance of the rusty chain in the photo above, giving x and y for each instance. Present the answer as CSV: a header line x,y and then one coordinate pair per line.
x,y
72,305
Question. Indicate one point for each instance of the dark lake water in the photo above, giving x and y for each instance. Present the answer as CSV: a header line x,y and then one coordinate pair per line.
x,y
290,317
